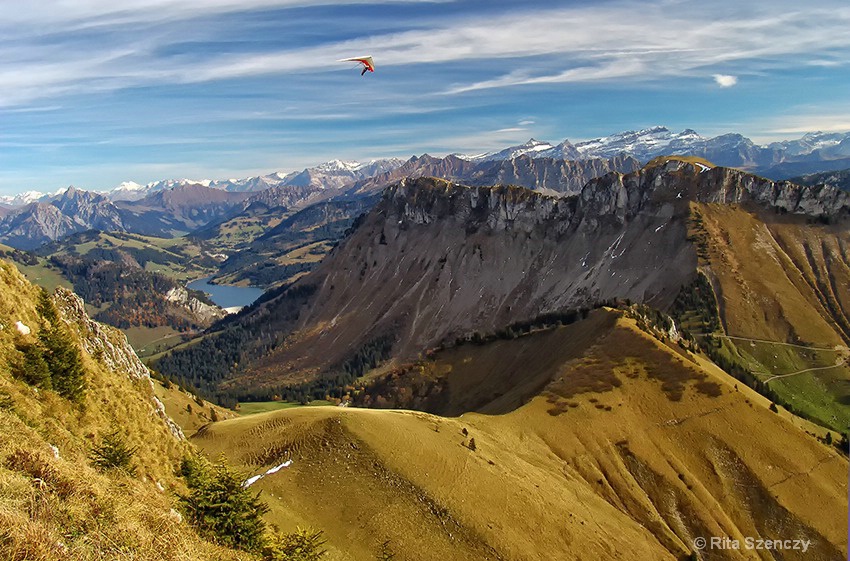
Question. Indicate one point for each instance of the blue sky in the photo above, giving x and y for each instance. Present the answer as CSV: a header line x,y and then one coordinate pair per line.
x,y
95,92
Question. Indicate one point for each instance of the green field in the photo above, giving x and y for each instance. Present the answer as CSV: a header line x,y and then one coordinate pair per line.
x,y
808,379
254,407
178,258
151,340
44,275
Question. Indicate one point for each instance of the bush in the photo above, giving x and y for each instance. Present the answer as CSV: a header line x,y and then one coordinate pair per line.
x,y
54,361
220,508
223,511
6,400
66,366
33,368
386,553
113,453
301,545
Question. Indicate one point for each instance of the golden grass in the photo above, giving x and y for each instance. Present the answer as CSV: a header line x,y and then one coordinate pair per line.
x,y
53,503
185,410
632,472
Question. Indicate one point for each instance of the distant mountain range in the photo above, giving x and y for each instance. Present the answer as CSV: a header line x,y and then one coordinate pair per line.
x,y
730,150
330,175
177,206
813,152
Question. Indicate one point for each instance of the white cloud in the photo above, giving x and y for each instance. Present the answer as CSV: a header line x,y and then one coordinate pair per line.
x,y
725,80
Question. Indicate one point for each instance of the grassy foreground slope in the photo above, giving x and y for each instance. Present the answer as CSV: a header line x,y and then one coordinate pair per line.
x,y
627,449
54,503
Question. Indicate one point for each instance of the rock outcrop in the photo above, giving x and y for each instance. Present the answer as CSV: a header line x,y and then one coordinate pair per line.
x,y
203,312
111,347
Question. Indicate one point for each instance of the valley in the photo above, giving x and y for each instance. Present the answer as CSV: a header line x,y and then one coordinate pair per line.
x,y
512,356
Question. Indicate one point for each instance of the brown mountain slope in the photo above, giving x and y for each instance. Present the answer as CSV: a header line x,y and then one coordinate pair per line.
x,y
629,451
783,286
434,261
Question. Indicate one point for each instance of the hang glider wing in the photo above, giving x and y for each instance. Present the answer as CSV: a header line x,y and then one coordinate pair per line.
x,y
366,61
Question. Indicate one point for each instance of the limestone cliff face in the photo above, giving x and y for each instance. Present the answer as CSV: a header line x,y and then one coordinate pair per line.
x,y
552,175
111,347
628,194
435,260
427,200
205,313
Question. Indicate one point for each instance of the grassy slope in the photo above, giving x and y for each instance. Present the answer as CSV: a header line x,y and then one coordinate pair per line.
x,y
256,407
61,507
668,449
788,282
185,410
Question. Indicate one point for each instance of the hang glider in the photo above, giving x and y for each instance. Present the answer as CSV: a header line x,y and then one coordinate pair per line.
x,y
366,61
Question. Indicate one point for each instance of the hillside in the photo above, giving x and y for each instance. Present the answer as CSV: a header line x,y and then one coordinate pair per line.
x,y
467,259
605,445
293,243
839,179
783,289
54,502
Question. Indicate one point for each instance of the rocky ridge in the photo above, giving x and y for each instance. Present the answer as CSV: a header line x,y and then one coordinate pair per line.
x,y
110,346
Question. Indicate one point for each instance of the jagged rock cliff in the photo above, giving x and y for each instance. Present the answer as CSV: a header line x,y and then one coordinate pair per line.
x,y
111,347
435,260
552,175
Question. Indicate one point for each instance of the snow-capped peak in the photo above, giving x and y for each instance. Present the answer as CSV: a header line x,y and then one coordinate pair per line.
x,y
24,198
531,147
642,143
337,166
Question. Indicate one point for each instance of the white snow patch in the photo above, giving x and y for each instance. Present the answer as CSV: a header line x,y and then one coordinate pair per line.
x,y
613,247
55,450
22,329
659,228
253,479
703,168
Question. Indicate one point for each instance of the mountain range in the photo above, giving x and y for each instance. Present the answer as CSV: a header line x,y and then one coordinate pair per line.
x,y
173,207
731,150
435,261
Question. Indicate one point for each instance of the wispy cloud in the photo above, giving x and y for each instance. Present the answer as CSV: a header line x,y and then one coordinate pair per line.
x,y
802,119
99,84
581,44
